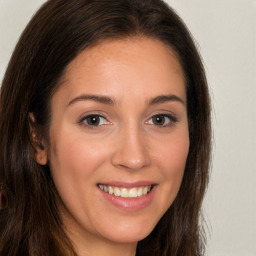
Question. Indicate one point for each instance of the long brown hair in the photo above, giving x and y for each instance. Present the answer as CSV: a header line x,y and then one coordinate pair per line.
x,y
60,30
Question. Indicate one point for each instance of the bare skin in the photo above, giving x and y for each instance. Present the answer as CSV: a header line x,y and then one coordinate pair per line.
x,y
119,122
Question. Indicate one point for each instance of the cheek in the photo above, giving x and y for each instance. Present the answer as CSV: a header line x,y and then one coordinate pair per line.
x,y
74,161
172,156
172,152
81,156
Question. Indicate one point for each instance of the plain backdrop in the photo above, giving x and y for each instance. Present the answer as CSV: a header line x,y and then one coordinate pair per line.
x,y
225,32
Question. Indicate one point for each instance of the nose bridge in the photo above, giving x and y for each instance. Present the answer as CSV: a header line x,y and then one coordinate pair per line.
x,y
132,151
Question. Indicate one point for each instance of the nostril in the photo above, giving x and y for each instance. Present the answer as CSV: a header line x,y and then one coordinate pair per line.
x,y
132,151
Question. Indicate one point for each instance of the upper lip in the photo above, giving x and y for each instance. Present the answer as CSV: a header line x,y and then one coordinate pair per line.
x,y
127,184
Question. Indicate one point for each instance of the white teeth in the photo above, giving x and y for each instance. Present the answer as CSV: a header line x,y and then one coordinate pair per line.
x,y
125,192
140,192
110,190
117,191
133,192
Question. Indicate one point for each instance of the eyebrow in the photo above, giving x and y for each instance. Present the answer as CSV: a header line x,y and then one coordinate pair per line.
x,y
98,98
165,98
109,101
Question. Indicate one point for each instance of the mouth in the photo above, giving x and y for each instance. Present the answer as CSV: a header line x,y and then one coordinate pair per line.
x,y
123,192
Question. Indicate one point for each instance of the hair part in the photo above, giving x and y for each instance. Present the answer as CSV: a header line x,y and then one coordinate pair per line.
x,y
58,32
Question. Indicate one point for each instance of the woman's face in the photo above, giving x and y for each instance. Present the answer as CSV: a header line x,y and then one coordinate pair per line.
x,y
119,139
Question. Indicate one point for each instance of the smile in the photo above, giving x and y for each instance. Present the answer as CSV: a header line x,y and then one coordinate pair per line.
x,y
126,192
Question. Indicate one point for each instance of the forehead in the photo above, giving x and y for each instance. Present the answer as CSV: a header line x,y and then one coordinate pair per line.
x,y
132,65
127,49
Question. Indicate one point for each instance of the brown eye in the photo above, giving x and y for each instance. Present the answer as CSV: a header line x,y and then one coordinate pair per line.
x,y
162,120
94,120
159,120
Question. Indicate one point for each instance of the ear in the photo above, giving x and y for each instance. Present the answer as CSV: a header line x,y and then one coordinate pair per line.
x,y
37,141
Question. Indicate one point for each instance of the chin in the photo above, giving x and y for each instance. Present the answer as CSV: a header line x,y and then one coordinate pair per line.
x,y
129,232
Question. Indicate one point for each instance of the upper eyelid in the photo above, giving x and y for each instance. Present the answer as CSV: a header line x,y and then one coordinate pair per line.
x,y
83,123
96,113
91,115
172,116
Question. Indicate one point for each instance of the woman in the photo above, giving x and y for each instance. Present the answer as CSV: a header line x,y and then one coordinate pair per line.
x,y
105,127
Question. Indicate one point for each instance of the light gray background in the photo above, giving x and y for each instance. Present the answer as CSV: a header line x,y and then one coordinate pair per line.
x,y
225,31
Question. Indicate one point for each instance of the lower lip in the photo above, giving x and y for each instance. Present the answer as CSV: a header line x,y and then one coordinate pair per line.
x,y
130,204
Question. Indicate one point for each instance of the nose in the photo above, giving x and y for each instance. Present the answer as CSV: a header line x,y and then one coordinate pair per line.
x,y
132,152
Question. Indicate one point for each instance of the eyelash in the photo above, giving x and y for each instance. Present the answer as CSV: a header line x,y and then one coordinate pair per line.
x,y
85,119
172,120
